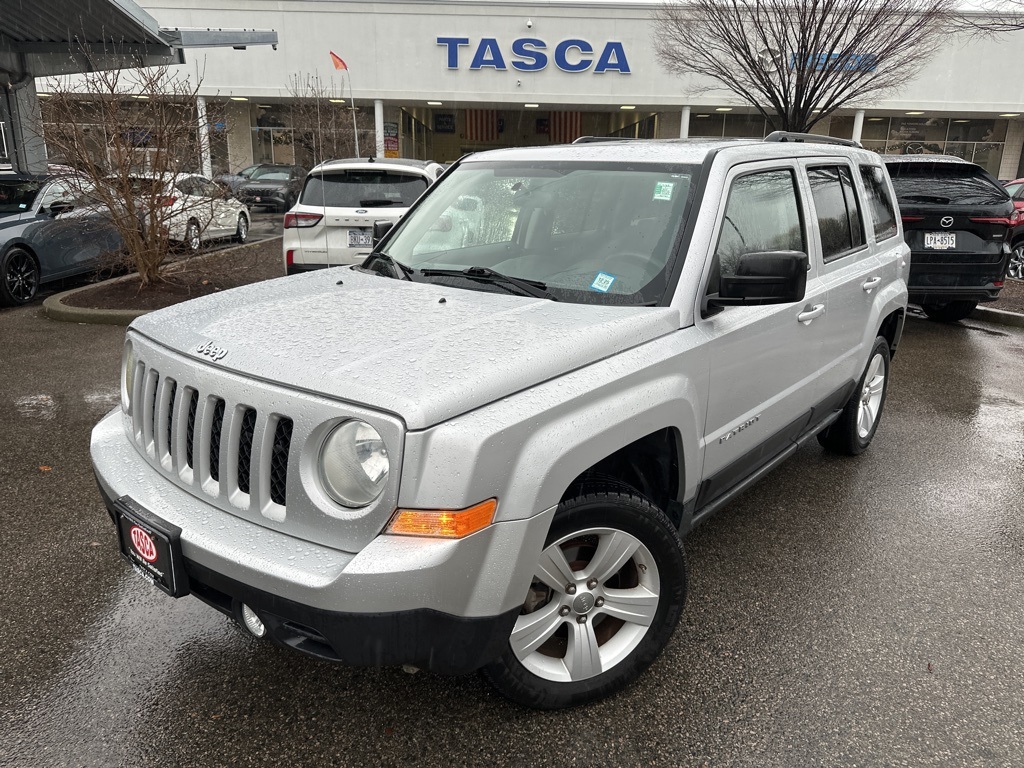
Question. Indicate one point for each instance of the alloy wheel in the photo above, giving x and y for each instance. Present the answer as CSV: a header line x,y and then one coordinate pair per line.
x,y
1016,266
871,396
21,279
593,599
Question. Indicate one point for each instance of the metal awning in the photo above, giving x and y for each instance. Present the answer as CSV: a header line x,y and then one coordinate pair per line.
x,y
53,37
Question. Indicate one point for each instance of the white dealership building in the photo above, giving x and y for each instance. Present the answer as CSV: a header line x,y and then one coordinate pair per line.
x,y
436,79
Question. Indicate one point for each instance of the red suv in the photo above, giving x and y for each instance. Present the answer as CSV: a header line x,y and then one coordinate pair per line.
x,y
1015,268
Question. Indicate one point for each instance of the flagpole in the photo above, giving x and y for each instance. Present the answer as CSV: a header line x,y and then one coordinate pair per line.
x,y
352,101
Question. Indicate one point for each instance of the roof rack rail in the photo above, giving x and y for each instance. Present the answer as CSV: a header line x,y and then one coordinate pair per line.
x,y
810,138
596,139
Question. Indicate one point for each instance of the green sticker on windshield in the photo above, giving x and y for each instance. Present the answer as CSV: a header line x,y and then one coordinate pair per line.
x,y
663,190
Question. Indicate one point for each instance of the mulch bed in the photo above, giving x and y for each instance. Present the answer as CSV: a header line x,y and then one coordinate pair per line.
x,y
188,279
203,275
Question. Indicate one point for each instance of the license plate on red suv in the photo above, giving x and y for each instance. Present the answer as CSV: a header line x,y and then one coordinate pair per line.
x,y
152,546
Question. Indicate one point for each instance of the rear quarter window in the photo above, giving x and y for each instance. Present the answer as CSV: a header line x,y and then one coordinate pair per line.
x,y
883,213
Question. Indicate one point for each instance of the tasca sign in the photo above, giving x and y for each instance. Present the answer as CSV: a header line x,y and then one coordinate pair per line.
x,y
531,54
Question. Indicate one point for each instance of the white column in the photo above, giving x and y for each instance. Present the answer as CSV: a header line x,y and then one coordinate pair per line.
x,y
684,124
204,137
858,124
378,119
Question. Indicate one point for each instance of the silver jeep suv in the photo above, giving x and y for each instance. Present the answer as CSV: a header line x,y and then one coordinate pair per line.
x,y
480,449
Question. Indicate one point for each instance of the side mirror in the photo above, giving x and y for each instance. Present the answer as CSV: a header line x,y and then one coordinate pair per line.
x,y
768,277
60,207
381,228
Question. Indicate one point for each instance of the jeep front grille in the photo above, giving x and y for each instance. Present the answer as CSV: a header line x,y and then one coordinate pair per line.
x,y
210,443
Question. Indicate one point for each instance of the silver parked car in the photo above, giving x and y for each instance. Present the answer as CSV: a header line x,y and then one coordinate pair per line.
x,y
480,449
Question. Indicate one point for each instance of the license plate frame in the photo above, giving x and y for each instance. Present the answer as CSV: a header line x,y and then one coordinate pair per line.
x,y
157,558
940,241
360,238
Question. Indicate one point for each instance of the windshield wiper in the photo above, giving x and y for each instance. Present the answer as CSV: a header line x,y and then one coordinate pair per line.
x,y
401,271
533,288
373,203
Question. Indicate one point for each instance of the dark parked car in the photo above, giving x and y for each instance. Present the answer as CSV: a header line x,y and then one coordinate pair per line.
x,y
958,221
1015,268
232,181
50,228
274,186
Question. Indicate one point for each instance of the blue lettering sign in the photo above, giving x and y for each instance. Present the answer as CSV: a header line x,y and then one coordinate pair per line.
x,y
488,55
531,49
564,47
613,57
453,44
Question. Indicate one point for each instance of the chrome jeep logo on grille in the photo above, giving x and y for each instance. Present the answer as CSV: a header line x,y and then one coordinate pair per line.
x,y
211,350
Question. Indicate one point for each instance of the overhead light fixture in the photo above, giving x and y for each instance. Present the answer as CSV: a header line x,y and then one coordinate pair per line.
x,y
724,109
265,106
139,96
44,95
336,101
1010,114
627,106
703,115
915,114
433,103
875,119
239,98
961,121
531,106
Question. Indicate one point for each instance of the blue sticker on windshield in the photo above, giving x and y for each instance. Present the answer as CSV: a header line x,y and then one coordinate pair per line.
x,y
602,282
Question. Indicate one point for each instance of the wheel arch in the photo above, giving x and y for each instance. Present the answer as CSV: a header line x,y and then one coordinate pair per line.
x,y
891,329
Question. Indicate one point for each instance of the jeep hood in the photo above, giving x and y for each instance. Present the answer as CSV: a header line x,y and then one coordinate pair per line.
x,y
423,352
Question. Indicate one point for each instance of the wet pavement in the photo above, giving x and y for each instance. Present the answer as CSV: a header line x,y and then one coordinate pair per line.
x,y
861,611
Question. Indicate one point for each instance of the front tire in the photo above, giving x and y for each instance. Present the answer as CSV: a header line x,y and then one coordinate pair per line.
x,y
853,431
19,277
193,236
242,231
950,312
608,592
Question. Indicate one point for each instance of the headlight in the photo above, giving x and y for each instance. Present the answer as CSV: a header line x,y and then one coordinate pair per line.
x,y
127,376
354,464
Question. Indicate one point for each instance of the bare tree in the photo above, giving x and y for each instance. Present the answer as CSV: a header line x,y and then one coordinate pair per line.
x,y
994,17
322,120
127,135
797,61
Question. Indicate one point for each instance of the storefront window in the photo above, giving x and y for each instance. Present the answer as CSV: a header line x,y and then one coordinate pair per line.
x,y
745,126
707,124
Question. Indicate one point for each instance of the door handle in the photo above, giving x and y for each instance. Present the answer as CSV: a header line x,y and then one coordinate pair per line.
x,y
810,313
871,284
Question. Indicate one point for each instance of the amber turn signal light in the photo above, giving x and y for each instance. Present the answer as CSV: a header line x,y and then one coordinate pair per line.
x,y
443,523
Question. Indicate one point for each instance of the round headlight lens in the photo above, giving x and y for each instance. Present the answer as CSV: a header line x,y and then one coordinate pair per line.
x,y
354,464
127,376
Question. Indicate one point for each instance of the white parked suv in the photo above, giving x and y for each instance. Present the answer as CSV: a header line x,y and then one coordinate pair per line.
x,y
480,449
193,209
332,223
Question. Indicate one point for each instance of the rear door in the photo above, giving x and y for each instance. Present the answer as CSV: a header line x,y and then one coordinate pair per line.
x,y
765,360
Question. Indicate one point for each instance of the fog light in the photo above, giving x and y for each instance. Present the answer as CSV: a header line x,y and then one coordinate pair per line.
x,y
252,621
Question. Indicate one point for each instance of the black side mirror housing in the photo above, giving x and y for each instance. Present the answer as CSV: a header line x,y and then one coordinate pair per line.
x,y
60,207
381,228
766,277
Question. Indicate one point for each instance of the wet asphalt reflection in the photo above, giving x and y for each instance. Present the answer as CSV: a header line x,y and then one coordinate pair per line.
x,y
845,612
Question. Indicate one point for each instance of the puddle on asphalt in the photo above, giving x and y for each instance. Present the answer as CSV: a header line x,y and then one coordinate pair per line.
x,y
37,407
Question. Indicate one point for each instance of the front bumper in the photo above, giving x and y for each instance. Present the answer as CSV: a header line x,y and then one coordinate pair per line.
x,y
446,606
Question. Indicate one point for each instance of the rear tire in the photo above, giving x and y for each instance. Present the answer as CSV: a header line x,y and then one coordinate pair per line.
x,y
19,277
242,231
950,312
193,237
609,592
853,431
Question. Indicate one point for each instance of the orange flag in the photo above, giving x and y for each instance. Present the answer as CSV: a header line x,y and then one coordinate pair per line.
x,y
338,62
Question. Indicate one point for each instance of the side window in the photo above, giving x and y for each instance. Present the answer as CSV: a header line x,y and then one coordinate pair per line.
x,y
56,191
883,214
187,186
835,205
762,214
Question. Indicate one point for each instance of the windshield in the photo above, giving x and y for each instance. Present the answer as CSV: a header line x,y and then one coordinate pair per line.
x,y
364,188
590,232
269,173
16,195
944,184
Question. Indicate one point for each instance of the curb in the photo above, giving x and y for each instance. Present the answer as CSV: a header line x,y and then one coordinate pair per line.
x,y
999,316
55,309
